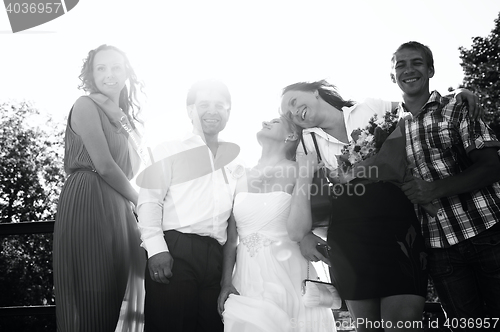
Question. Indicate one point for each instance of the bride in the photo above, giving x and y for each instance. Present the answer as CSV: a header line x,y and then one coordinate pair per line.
x,y
271,214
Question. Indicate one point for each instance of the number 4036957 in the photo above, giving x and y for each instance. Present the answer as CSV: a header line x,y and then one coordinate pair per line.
x,y
472,323
32,8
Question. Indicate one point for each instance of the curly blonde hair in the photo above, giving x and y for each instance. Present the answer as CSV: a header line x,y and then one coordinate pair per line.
x,y
128,101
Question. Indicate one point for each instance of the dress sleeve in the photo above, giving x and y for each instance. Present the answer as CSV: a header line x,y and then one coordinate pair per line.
x,y
360,114
379,106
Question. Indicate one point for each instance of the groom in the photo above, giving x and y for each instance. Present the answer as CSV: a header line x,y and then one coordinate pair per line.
x,y
183,208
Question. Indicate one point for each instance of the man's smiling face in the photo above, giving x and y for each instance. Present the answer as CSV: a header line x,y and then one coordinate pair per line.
x,y
210,112
411,72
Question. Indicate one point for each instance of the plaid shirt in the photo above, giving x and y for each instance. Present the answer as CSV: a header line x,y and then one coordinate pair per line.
x,y
438,139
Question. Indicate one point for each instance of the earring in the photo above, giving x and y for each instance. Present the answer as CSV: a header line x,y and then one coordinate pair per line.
x,y
286,140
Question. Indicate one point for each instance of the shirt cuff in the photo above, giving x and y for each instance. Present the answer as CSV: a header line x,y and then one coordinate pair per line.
x,y
479,144
155,245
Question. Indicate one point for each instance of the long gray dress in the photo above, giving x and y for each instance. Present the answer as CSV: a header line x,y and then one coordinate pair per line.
x,y
98,262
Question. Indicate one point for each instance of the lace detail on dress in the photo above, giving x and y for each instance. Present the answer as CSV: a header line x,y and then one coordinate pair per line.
x,y
254,242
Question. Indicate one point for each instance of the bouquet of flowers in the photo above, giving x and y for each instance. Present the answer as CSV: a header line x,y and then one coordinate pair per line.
x,y
366,143
378,153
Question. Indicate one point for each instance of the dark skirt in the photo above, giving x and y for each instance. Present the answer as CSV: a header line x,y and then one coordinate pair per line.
x,y
377,249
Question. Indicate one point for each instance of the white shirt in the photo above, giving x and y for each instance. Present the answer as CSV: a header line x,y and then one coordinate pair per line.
x,y
355,117
186,190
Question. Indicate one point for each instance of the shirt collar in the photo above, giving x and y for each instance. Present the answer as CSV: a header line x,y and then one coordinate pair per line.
x,y
348,109
435,97
196,138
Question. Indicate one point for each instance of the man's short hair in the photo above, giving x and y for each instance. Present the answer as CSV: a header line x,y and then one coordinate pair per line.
x,y
416,46
207,85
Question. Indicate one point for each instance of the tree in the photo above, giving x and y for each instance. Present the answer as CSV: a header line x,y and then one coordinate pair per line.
x,y
31,177
31,166
481,65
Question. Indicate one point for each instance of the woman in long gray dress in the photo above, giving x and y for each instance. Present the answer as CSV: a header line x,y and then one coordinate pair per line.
x,y
98,262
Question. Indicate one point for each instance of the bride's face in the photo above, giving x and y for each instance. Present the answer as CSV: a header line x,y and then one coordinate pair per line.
x,y
274,129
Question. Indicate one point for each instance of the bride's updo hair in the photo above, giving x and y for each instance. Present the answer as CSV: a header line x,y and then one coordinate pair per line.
x,y
291,146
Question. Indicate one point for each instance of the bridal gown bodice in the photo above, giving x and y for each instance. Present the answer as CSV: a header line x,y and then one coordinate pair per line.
x,y
261,218
269,271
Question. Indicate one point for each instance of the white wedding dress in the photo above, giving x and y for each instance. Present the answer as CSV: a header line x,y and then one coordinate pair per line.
x,y
269,271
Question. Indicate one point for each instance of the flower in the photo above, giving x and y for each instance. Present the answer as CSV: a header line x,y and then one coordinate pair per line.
x,y
367,142
378,153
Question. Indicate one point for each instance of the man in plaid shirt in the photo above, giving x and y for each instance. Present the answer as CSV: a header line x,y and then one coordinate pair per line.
x,y
456,167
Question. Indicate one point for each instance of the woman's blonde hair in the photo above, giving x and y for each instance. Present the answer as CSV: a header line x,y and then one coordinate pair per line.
x,y
128,101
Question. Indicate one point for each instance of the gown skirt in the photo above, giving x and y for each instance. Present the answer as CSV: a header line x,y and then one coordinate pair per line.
x,y
269,272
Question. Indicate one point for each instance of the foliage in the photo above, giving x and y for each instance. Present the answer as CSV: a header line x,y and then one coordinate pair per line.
x,y
30,163
481,65
31,177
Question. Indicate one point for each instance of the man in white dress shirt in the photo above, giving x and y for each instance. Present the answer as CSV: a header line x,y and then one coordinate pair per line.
x,y
185,201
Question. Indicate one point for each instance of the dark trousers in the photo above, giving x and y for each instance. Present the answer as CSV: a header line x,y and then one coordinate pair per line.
x,y
189,301
467,279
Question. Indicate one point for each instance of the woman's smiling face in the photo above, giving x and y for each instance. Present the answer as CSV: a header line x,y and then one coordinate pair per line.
x,y
302,106
273,129
278,129
109,72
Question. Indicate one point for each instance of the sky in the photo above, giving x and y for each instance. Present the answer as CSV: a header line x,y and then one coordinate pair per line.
x,y
256,47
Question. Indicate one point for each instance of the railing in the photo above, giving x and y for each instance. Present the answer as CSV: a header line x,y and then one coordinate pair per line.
x,y
17,228
48,227
28,311
38,227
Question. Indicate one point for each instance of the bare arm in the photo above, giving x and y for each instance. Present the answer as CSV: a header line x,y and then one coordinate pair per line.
x,y
86,122
299,221
229,259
